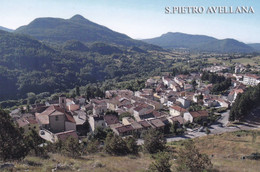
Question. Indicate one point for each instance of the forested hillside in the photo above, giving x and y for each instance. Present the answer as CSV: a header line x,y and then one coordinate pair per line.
x,y
27,65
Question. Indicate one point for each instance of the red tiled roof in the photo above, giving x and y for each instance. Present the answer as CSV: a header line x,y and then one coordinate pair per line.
x,y
202,113
145,124
124,128
142,106
64,135
111,119
157,123
73,107
178,108
70,118
157,114
178,119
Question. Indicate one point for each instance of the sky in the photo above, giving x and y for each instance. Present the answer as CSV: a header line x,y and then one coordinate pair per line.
x,y
141,19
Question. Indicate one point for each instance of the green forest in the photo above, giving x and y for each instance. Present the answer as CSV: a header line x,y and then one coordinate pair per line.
x,y
28,65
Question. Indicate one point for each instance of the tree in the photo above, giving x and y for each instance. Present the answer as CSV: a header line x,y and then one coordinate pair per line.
x,y
33,142
72,147
161,163
194,83
190,159
115,145
132,146
154,141
12,144
92,146
100,134
77,91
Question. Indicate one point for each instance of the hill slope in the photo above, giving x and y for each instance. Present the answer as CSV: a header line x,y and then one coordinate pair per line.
x,y
6,29
199,43
76,28
256,46
27,65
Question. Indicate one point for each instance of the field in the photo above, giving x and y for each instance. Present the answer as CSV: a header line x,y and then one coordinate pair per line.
x,y
226,152
255,61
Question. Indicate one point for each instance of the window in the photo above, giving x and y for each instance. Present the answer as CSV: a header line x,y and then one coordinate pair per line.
x,y
56,118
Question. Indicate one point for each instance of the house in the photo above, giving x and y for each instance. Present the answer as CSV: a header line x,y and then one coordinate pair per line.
x,y
124,130
137,127
185,103
175,87
87,107
188,87
142,109
127,120
80,118
190,116
156,123
99,109
223,103
73,107
176,110
167,81
233,94
251,79
63,136
56,119
210,102
179,120
96,122
81,101
70,102
171,101
112,103
160,87
111,120
146,125
151,82
99,106
28,124
147,115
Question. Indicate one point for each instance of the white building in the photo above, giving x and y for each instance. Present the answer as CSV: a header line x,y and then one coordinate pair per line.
x,y
251,79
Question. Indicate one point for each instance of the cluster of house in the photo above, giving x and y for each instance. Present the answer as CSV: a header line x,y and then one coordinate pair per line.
x,y
165,100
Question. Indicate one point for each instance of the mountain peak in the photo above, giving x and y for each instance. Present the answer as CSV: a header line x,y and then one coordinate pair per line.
x,y
77,17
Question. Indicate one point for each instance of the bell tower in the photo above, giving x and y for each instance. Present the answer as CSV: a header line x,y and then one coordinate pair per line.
x,y
62,101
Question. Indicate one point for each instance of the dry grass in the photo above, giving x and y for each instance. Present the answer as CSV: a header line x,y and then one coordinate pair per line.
x,y
226,152
91,163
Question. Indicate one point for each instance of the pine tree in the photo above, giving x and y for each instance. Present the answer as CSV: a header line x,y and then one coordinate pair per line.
x,y
161,163
131,145
190,159
72,147
12,142
115,145
154,141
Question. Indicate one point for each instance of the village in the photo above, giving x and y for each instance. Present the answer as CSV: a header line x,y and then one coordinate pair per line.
x,y
170,104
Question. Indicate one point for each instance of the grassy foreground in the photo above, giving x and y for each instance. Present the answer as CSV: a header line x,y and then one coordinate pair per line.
x,y
226,152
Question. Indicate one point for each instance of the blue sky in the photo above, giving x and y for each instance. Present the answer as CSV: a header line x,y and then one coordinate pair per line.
x,y
140,18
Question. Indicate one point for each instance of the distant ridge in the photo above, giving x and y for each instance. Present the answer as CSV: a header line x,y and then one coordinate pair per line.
x,y
199,43
256,46
6,29
78,28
